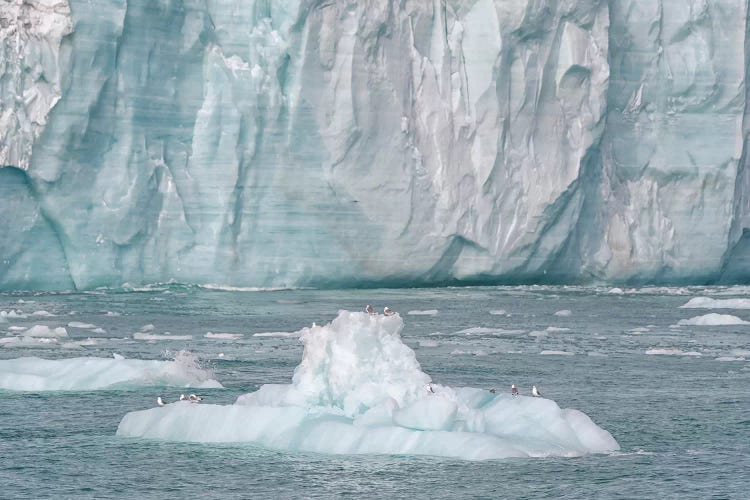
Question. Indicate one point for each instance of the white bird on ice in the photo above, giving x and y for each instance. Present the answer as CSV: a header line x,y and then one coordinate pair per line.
x,y
514,390
387,311
182,397
535,392
195,399
369,309
160,401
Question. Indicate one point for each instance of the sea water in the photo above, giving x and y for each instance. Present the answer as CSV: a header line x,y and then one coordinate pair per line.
x,y
674,391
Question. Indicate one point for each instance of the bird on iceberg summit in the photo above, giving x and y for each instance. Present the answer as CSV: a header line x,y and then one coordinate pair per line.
x,y
535,392
195,399
160,401
387,311
369,309
514,390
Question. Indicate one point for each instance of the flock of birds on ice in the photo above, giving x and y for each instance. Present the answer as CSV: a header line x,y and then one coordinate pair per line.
x,y
192,398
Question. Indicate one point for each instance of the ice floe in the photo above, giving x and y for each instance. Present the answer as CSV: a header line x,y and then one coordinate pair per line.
x,y
90,373
360,389
713,319
709,303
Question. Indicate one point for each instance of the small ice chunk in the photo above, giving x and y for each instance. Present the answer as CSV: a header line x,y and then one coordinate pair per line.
x,y
556,353
564,313
499,312
428,312
147,328
671,352
730,358
83,326
165,336
278,334
45,331
429,343
713,319
223,336
709,303
42,313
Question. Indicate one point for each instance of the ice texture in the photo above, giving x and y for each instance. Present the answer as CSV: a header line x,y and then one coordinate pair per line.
x,y
360,389
89,374
277,144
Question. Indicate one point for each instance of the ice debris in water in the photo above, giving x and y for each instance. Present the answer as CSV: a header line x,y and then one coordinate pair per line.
x,y
709,303
360,389
713,319
90,373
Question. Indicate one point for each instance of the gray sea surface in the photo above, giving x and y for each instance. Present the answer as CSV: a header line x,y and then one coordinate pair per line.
x,y
676,398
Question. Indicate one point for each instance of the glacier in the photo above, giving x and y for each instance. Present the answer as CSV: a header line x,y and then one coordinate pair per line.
x,y
360,390
91,373
288,143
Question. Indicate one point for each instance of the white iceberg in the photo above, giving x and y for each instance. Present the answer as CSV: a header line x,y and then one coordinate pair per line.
x,y
45,331
88,374
360,390
713,319
709,303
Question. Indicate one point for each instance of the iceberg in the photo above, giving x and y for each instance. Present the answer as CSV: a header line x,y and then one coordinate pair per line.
x,y
91,374
360,390
389,143
713,319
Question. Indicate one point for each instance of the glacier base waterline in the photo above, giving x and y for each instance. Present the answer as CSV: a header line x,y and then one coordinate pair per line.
x,y
360,390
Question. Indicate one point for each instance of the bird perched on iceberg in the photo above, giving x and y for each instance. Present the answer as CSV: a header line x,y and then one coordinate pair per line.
x,y
160,401
535,392
369,309
387,311
514,390
195,399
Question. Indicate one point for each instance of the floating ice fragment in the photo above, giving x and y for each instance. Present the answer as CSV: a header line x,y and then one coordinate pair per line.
x,y
709,303
156,336
45,331
78,324
86,374
671,352
360,389
556,353
279,334
713,319
223,336
564,313
428,312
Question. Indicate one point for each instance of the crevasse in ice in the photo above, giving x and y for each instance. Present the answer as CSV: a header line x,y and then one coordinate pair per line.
x,y
360,389
287,143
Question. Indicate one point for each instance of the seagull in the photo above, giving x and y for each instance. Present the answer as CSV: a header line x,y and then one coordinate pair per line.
x,y
535,392
514,390
430,389
195,399
493,391
369,309
182,397
387,311
160,401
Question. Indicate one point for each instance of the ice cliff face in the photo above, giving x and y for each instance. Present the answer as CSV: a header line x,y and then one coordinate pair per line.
x,y
297,142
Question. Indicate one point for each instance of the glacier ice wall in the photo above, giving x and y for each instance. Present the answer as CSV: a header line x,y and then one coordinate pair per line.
x,y
283,143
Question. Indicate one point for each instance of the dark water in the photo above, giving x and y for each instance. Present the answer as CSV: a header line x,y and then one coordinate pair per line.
x,y
682,420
